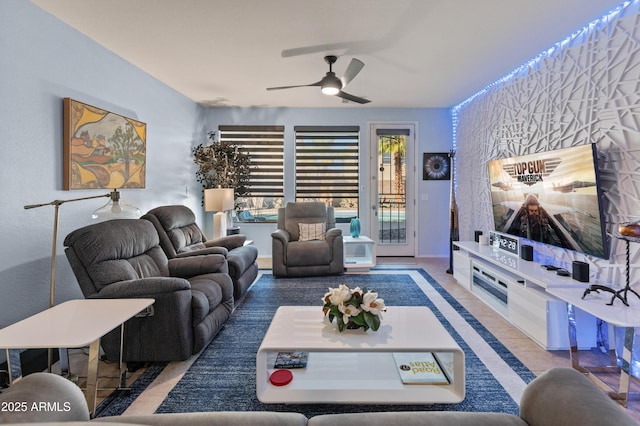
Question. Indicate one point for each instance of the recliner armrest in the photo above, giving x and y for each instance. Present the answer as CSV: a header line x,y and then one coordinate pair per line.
x,y
332,235
209,250
282,235
142,287
333,232
187,267
229,242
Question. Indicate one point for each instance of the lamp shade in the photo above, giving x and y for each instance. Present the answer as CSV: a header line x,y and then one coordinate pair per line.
x,y
218,199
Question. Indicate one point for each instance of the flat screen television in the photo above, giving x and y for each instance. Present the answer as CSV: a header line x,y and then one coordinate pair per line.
x,y
550,197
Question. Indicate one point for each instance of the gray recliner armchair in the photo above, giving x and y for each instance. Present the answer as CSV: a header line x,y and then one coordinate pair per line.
x,y
307,242
193,296
180,237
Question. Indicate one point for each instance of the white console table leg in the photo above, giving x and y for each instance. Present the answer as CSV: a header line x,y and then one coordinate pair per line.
x,y
623,390
627,351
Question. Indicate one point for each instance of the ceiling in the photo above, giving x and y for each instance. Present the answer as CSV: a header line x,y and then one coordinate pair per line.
x,y
417,53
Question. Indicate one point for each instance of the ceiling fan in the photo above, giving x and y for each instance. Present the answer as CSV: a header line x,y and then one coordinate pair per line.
x,y
332,85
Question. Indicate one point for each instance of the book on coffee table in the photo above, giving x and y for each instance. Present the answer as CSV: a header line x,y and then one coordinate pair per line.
x,y
420,368
291,360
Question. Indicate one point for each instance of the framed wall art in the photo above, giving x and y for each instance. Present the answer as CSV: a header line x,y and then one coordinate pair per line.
x,y
436,166
102,149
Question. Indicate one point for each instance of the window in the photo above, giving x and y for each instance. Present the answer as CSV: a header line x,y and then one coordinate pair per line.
x,y
264,145
327,167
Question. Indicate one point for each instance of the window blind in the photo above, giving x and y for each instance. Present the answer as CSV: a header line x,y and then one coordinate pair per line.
x,y
265,147
327,162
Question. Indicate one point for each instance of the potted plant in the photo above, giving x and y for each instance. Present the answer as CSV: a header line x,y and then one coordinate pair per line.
x,y
222,165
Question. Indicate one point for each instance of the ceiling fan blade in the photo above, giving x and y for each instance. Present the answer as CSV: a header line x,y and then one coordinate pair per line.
x,y
355,66
352,98
291,87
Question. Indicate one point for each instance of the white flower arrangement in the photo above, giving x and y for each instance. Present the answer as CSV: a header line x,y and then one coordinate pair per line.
x,y
353,308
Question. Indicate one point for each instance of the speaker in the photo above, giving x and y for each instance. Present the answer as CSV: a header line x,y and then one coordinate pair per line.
x,y
477,235
581,271
526,252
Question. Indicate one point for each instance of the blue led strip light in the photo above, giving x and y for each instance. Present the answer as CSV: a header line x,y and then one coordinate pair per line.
x,y
598,23
549,52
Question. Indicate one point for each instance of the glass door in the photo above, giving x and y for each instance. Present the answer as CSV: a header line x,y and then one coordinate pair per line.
x,y
393,184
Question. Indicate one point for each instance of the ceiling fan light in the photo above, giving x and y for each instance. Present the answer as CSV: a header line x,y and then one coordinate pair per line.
x,y
330,90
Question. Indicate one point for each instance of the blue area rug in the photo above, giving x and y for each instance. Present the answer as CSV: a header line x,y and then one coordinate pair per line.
x,y
223,377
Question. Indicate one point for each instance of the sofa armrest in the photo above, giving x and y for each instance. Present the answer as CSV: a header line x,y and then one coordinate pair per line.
x,y
47,388
187,267
229,242
143,287
563,396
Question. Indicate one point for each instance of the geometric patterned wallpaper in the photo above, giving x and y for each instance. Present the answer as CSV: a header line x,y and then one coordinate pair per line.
x,y
583,90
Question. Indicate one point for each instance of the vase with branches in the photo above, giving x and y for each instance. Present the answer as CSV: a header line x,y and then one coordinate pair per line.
x,y
222,165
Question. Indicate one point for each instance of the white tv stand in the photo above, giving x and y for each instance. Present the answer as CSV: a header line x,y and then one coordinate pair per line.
x,y
516,289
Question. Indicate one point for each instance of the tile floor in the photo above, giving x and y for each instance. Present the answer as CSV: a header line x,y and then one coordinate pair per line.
x,y
533,356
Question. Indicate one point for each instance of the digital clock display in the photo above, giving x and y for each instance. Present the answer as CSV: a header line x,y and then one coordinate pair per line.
x,y
504,242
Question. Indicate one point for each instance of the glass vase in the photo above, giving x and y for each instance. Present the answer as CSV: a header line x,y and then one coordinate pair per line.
x,y
354,228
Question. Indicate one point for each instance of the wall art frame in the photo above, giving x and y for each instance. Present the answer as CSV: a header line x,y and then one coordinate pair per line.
x,y
102,149
436,166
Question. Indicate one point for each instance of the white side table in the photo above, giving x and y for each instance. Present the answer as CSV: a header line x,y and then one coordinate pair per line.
x,y
626,317
75,324
359,252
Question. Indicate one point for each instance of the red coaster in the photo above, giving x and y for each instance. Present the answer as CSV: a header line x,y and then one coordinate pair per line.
x,y
281,377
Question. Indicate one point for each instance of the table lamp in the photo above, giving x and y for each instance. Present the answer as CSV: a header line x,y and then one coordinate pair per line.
x,y
219,200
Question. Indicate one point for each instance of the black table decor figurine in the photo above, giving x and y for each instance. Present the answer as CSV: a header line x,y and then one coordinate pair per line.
x,y
629,232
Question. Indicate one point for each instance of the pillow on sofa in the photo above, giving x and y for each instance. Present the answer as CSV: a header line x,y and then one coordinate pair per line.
x,y
311,231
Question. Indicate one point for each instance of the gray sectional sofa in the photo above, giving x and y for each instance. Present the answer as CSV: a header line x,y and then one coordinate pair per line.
x,y
560,396
122,258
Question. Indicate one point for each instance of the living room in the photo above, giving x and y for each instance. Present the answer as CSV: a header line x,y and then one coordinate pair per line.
x,y
44,60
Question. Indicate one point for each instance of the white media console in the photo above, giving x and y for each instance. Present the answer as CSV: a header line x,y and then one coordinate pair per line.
x,y
516,289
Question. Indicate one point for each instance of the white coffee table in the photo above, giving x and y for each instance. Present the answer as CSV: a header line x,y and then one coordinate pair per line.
x,y
74,324
356,367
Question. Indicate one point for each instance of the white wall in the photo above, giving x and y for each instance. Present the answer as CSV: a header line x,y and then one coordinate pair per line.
x,y
433,135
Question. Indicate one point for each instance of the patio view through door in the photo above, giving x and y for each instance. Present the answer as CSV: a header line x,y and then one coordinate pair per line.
x,y
393,188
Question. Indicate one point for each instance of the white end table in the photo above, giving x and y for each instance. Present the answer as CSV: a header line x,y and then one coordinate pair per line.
x,y
626,317
356,367
359,252
74,324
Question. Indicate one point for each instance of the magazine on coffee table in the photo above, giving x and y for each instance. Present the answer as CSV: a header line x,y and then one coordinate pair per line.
x,y
291,360
420,368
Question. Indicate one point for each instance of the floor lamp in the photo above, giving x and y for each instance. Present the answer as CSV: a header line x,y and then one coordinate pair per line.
x,y
115,197
219,200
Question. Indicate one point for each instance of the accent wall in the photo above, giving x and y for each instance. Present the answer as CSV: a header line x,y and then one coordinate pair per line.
x,y
582,90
